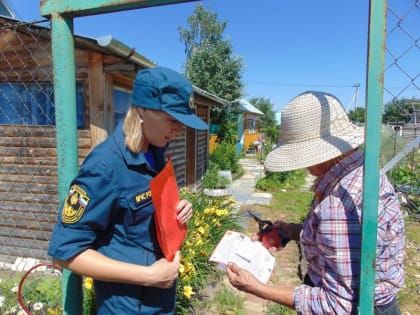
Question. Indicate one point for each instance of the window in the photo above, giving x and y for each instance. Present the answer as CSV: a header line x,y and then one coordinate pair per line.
x,y
252,126
122,101
32,103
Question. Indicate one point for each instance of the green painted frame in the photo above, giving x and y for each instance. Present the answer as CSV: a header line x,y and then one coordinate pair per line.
x,y
61,14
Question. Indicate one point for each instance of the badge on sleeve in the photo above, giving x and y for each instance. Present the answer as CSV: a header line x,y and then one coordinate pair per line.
x,y
74,205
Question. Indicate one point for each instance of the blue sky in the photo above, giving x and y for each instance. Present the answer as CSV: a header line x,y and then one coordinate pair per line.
x,y
287,46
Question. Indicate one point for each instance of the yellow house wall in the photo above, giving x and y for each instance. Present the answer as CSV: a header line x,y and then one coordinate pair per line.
x,y
212,143
250,138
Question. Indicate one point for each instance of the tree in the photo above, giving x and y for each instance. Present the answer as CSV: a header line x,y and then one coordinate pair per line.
x,y
357,115
397,111
268,124
210,63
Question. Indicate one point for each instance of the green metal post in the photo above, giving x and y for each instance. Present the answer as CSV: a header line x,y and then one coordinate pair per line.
x,y
66,134
84,7
374,100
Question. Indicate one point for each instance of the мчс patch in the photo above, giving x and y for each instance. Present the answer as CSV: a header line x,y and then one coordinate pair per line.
x,y
74,205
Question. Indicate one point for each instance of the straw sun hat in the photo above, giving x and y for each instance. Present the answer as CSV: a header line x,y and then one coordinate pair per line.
x,y
314,128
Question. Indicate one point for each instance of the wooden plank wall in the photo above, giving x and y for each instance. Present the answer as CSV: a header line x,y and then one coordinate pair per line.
x,y
177,151
202,146
29,189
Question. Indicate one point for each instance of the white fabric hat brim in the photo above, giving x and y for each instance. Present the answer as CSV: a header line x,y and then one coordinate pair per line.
x,y
297,155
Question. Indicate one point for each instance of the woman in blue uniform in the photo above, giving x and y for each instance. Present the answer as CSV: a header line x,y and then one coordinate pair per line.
x,y
106,227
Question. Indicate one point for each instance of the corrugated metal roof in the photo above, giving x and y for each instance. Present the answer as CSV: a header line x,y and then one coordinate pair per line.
x,y
112,46
245,106
5,9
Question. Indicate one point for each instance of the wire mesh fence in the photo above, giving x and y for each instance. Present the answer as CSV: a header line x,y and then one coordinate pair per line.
x,y
402,91
28,167
28,170
402,96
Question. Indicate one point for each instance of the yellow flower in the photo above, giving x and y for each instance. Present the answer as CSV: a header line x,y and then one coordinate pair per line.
x,y
181,268
222,212
88,283
188,291
189,268
51,311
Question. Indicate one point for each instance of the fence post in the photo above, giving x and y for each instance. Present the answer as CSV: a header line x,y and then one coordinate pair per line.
x,y
66,134
374,100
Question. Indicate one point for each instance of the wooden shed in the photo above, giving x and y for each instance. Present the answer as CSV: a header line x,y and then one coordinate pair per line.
x,y
105,71
249,118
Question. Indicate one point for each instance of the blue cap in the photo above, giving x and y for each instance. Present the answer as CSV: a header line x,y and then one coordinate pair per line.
x,y
166,90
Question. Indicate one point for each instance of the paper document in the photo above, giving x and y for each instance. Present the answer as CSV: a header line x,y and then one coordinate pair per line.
x,y
239,248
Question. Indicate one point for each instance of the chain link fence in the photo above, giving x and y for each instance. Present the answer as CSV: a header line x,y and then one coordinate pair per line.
x,y
402,89
28,169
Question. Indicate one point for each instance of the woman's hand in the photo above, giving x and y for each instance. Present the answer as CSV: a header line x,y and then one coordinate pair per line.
x,y
164,273
184,211
242,279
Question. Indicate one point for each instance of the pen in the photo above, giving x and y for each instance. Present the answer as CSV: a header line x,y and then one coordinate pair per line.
x,y
244,258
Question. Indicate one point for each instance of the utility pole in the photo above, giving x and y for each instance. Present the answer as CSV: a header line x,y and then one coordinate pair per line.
x,y
356,85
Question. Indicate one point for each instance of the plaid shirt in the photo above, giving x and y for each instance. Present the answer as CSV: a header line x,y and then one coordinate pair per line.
x,y
331,240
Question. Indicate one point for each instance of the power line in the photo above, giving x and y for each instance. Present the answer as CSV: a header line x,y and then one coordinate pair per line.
x,y
298,84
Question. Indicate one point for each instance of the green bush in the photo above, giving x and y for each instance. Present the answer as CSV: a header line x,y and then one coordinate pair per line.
x,y
403,175
212,180
276,181
224,157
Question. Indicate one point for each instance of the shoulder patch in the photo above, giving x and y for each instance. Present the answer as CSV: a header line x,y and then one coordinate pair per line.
x,y
142,197
74,205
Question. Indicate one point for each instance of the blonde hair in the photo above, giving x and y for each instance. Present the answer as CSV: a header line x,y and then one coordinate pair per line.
x,y
132,129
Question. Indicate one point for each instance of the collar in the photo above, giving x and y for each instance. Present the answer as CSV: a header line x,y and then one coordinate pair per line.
x,y
129,157
138,159
330,179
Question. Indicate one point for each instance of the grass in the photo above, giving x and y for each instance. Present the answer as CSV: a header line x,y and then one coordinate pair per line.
x,y
277,309
42,288
229,302
411,289
292,204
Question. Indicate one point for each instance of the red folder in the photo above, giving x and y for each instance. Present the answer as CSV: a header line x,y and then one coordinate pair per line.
x,y
165,197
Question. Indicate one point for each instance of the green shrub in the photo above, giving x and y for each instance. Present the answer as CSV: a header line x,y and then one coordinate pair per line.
x,y
224,157
403,175
212,180
276,181
406,180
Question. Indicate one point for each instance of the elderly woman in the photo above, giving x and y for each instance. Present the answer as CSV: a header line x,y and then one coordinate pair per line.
x,y
317,135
